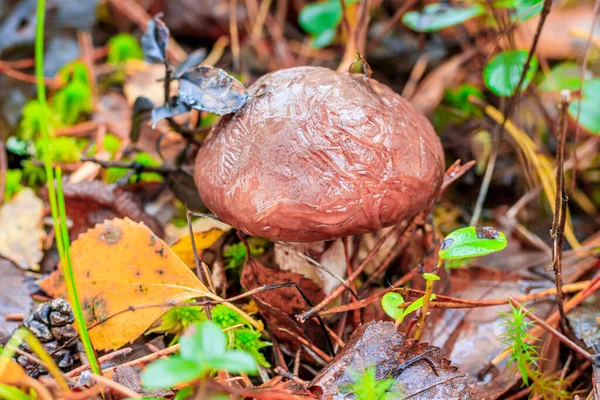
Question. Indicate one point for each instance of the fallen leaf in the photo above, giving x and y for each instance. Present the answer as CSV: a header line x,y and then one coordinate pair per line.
x,y
11,373
288,299
14,293
183,247
122,264
420,369
430,91
91,203
328,254
21,233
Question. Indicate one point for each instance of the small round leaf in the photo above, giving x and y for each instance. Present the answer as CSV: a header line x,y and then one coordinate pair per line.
x,y
472,242
502,74
589,115
439,16
564,76
390,302
430,277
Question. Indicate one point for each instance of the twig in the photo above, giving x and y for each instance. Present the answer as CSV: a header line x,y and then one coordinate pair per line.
x,y
3,170
103,359
340,289
163,169
115,386
234,34
557,233
391,23
201,267
52,83
489,171
352,284
568,342
324,356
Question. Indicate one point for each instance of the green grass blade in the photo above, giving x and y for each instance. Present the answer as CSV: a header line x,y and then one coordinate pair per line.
x,y
62,239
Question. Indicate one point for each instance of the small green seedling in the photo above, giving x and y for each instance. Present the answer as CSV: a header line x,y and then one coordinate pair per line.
x,y
435,17
391,301
178,319
12,183
471,242
366,386
503,72
235,254
75,98
201,354
123,47
321,19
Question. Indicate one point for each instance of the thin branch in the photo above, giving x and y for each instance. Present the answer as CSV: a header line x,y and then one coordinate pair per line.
x,y
557,233
489,172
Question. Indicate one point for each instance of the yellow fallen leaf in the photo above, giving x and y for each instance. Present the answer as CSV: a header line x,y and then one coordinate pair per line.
x,y
11,373
203,240
21,233
119,265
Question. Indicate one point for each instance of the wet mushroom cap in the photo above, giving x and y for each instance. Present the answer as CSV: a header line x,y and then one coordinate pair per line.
x,y
320,155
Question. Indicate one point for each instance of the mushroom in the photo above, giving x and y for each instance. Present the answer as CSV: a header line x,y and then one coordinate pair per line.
x,y
319,155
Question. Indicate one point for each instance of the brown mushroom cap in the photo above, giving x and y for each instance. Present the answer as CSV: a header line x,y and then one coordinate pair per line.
x,y
321,155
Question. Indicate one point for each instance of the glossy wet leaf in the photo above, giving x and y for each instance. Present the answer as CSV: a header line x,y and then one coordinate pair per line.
x,y
142,113
564,76
589,116
390,302
155,40
472,241
169,110
211,89
193,60
502,73
439,16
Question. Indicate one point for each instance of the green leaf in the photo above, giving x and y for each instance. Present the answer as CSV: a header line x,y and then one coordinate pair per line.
x,y
501,75
234,362
522,10
164,374
12,183
315,18
323,39
589,117
430,277
472,242
184,393
439,16
414,306
12,393
207,342
390,302
564,76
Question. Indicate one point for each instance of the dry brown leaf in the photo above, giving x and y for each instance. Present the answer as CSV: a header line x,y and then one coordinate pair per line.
x,y
430,91
14,294
21,233
122,264
419,369
288,299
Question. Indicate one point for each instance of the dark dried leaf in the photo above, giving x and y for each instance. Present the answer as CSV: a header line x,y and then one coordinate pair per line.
x,y
142,114
175,107
420,368
155,40
181,183
584,320
90,203
254,275
14,293
211,89
193,60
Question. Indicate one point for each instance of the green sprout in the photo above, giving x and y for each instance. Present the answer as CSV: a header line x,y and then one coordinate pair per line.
x,y
113,174
178,319
12,183
524,357
30,127
63,149
122,48
392,301
366,386
75,98
201,354
463,243
235,254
